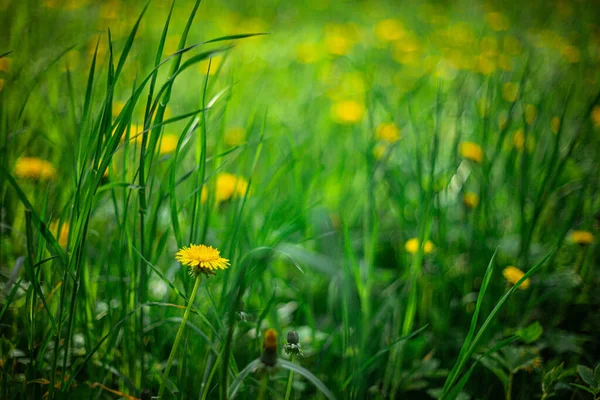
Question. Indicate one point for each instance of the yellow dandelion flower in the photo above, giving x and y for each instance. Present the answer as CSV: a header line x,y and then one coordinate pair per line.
x,y
339,39
63,235
412,246
235,136
201,259
530,114
169,143
510,91
5,64
308,53
471,200
388,132
388,30
582,237
555,125
519,141
497,21
407,51
347,111
34,168
596,116
513,274
227,186
471,151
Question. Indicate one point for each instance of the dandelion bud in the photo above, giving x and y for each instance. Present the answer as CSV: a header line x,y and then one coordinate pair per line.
x,y
269,355
292,346
292,337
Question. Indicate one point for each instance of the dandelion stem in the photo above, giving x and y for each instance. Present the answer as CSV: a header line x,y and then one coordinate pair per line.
x,y
178,337
288,390
263,388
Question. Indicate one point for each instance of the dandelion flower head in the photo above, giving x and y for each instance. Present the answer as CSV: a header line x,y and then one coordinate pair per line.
x,y
227,186
388,132
201,259
471,151
471,200
34,168
513,274
412,246
582,237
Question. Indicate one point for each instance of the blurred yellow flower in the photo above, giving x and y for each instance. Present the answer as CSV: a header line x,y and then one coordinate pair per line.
x,y
34,168
63,236
228,186
235,136
555,125
596,115
489,45
571,54
512,45
510,91
168,143
412,246
215,63
582,237
497,21
407,50
379,150
530,113
347,111
201,259
117,107
471,151
388,30
486,65
471,200
308,53
5,64
339,39
513,274
388,132
505,62
519,140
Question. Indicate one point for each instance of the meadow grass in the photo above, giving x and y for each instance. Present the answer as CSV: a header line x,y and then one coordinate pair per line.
x,y
412,189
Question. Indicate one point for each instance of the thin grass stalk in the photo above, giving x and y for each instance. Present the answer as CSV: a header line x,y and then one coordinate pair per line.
x,y
178,337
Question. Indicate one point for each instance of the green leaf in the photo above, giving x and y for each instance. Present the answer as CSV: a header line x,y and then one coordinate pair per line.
x,y
531,333
586,374
587,389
